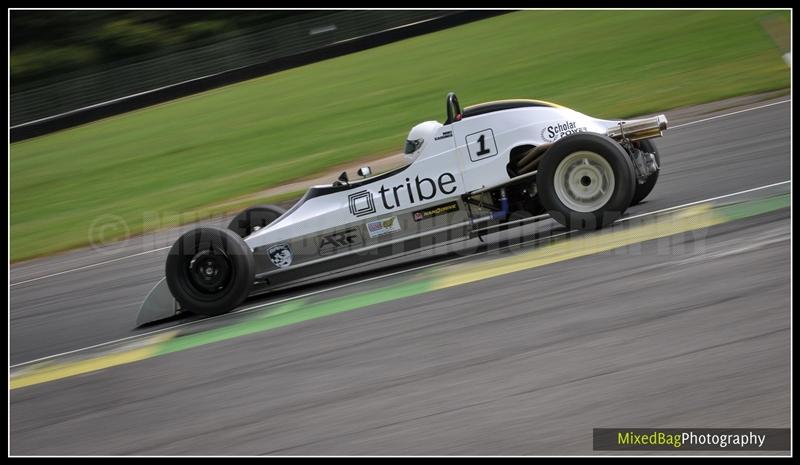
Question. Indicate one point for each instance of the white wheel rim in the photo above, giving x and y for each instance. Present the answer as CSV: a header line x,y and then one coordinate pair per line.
x,y
584,181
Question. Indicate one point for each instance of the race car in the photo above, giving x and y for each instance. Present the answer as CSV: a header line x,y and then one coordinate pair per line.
x,y
484,165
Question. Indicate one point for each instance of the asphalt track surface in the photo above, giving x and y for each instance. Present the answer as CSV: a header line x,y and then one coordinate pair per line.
x,y
520,364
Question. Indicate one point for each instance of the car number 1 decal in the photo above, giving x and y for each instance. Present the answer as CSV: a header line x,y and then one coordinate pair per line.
x,y
481,145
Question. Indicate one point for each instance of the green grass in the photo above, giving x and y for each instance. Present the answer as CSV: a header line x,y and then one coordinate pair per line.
x,y
189,154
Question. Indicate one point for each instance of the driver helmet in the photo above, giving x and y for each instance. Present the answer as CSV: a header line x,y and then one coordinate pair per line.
x,y
417,137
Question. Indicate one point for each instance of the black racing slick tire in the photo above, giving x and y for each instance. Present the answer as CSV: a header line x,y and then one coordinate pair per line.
x,y
643,190
210,270
586,181
254,218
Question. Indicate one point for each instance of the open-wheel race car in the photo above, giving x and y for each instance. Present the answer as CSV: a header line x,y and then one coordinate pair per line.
x,y
460,179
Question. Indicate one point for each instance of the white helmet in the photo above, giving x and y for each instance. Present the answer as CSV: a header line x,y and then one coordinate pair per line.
x,y
417,137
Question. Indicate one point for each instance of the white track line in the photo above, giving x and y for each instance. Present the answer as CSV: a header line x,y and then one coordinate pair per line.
x,y
105,262
242,310
164,248
702,201
373,278
728,114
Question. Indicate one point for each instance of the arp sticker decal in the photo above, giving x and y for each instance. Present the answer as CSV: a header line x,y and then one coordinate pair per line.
x,y
338,241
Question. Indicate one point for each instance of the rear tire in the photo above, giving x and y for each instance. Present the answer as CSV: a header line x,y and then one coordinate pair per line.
x,y
254,218
643,190
210,270
586,181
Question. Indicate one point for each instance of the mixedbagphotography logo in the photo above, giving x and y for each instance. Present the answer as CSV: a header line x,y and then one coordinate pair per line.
x,y
361,203
690,439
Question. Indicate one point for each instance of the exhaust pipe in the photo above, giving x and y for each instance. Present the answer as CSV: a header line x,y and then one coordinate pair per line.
x,y
638,129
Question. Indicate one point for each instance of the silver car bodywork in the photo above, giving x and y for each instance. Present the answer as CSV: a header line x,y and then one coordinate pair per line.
x,y
434,199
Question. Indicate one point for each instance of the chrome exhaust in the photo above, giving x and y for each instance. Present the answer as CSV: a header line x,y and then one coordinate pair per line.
x,y
638,129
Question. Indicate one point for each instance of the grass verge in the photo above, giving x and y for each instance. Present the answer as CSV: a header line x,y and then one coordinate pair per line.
x,y
193,153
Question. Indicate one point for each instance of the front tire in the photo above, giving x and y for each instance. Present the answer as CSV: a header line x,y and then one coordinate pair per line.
x,y
210,270
586,181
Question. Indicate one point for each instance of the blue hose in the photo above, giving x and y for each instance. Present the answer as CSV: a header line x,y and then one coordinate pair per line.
x,y
504,208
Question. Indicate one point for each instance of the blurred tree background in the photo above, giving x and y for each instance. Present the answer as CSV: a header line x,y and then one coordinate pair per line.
x,y
47,43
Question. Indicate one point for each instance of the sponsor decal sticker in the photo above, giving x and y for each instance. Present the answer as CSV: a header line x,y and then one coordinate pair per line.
x,y
444,135
337,241
437,210
280,255
361,203
556,131
382,227
419,189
